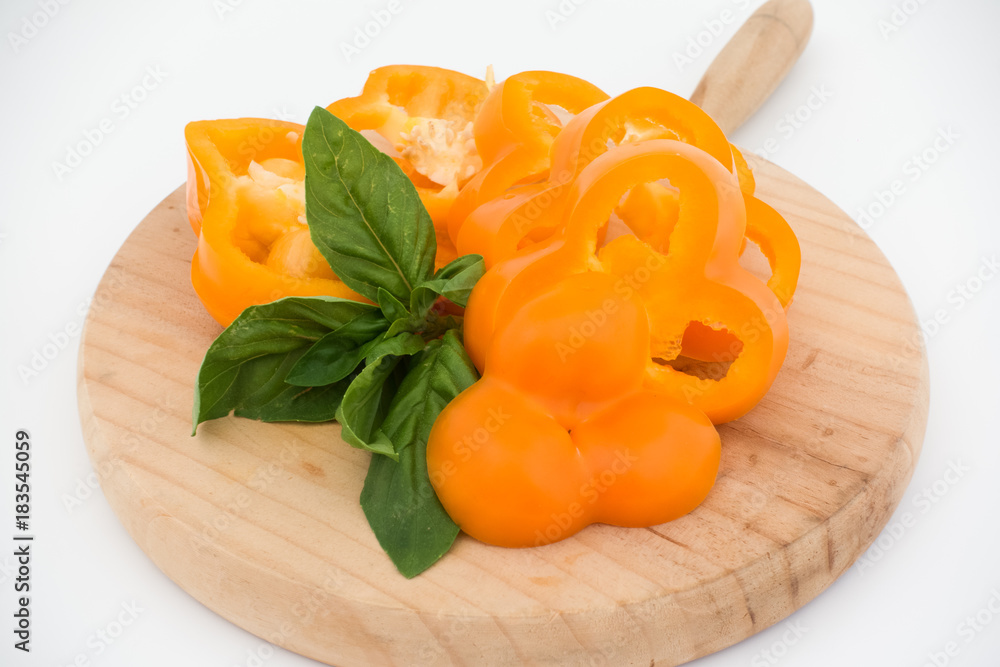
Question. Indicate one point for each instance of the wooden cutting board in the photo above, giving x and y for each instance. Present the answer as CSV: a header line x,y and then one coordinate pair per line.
x,y
261,522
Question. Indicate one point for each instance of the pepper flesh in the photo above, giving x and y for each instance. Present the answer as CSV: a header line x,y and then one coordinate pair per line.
x,y
515,131
530,214
500,227
245,202
698,283
518,461
580,416
422,117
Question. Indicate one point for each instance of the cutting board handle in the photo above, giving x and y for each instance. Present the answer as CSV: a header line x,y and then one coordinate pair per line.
x,y
754,62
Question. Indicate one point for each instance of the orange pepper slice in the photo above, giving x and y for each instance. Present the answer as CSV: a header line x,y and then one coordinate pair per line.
x,y
560,432
245,204
514,134
530,213
423,118
698,284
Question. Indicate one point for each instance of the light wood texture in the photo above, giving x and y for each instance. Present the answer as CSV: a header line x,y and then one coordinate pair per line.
x,y
754,62
261,522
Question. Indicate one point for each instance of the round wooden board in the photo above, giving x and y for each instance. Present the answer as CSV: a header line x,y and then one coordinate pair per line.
x,y
261,522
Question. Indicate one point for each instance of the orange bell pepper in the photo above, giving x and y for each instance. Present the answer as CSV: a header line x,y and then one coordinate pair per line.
x,y
777,242
423,118
245,201
498,228
701,302
514,133
560,433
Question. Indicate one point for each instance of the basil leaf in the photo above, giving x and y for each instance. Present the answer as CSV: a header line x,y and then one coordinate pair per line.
x,y
367,399
364,407
402,319
392,308
454,282
401,345
331,359
364,214
408,324
245,367
398,499
337,354
364,327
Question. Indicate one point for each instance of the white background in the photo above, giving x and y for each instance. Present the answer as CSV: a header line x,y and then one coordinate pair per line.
x,y
891,95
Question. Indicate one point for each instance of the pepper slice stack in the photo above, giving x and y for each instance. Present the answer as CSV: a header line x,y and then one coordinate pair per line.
x,y
550,326
561,431
515,131
502,225
648,212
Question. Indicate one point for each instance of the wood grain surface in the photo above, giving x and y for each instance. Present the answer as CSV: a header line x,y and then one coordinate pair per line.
x,y
753,63
261,522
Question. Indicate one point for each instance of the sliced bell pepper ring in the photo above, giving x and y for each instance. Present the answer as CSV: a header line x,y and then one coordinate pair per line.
x,y
698,283
423,118
514,133
747,183
776,240
245,201
530,213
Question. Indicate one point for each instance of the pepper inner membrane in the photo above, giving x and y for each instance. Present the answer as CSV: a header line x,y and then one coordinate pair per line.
x,y
698,336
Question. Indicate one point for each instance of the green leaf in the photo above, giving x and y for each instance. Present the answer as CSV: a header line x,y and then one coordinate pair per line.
x,y
367,399
398,499
365,327
364,214
392,308
401,345
244,369
454,282
337,354
402,319
364,407
408,324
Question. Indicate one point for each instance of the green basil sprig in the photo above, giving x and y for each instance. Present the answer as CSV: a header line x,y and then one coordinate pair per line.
x,y
383,370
